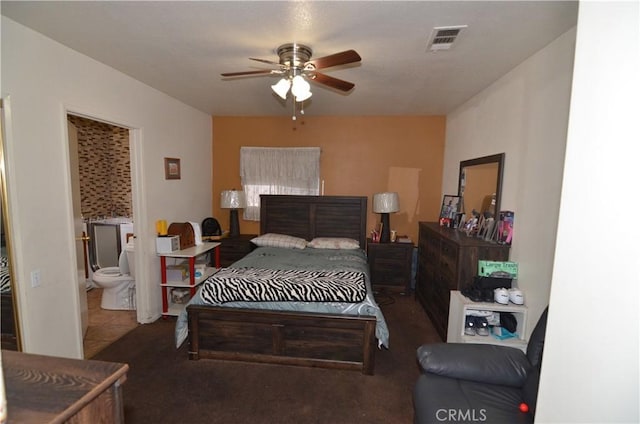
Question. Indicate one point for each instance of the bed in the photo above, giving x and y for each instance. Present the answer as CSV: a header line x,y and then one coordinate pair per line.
x,y
334,332
8,336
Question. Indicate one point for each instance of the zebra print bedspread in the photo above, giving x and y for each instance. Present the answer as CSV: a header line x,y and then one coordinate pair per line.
x,y
5,278
273,285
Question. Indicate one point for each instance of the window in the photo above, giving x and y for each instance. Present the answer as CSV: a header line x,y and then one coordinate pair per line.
x,y
277,170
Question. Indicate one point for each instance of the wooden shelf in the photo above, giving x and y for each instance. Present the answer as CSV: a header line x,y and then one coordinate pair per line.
x,y
458,309
191,253
208,272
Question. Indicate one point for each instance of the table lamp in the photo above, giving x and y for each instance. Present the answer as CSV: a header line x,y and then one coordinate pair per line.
x,y
234,200
385,203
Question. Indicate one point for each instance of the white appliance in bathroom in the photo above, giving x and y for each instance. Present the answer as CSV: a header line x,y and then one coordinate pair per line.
x,y
118,282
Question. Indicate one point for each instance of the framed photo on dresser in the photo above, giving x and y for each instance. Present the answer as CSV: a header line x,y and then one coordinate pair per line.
x,y
450,207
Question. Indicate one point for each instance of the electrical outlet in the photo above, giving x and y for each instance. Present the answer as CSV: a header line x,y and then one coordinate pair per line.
x,y
35,278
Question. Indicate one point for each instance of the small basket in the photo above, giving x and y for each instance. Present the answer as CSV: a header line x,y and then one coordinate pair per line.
x,y
180,296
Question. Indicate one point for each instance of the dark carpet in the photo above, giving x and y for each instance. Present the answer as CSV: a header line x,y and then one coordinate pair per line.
x,y
164,386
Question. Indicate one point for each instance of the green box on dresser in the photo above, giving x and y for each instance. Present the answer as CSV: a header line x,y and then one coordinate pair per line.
x,y
448,260
235,248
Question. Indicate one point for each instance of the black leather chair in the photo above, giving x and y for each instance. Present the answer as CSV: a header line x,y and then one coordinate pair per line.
x,y
471,383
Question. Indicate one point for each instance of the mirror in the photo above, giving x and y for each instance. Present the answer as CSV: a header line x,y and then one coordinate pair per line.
x,y
9,314
480,184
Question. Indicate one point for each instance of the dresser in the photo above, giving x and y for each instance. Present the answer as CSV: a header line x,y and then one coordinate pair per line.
x,y
448,260
47,389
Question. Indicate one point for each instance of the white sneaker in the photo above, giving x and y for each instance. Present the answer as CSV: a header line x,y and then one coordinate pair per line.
x,y
501,296
516,296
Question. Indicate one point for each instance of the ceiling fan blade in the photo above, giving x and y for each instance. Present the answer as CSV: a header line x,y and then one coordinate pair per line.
x,y
342,58
237,74
270,62
336,83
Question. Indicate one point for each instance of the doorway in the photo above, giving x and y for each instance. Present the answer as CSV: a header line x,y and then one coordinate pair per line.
x,y
100,167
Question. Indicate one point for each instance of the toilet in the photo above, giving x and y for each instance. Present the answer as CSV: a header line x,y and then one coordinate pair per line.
x,y
118,282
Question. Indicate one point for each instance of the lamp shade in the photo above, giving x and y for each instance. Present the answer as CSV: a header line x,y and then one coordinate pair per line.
x,y
233,199
386,202
282,87
300,88
303,96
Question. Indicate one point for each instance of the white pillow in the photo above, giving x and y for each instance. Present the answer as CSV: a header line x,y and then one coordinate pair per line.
x,y
279,240
334,243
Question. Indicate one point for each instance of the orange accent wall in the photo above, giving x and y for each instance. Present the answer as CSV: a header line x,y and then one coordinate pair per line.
x,y
360,156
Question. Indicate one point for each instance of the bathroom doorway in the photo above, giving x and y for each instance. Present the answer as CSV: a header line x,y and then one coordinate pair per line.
x,y
100,169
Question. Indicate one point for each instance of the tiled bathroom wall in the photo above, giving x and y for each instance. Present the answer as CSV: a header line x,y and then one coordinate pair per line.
x,y
105,168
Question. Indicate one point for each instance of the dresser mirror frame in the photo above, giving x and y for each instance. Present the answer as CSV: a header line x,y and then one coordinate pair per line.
x,y
6,240
489,169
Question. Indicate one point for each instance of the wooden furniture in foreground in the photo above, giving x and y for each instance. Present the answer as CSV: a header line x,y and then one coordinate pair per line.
x,y
292,338
46,389
448,260
9,333
390,265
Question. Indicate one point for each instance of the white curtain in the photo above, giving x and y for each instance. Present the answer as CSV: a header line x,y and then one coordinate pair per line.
x,y
277,170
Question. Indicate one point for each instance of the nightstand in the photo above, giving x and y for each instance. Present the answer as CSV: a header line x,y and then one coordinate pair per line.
x,y
235,248
390,265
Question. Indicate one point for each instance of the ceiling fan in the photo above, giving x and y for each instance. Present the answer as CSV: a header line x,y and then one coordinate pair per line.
x,y
296,67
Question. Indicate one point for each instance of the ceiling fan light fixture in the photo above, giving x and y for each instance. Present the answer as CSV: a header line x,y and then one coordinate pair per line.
x,y
304,96
281,88
296,68
300,88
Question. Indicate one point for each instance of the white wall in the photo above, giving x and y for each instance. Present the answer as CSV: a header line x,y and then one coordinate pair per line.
x,y
523,114
590,364
43,80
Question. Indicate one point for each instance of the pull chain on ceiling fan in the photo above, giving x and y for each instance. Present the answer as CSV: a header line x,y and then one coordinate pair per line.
x,y
296,67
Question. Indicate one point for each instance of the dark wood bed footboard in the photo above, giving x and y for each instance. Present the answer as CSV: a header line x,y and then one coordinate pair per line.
x,y
9,336
288,338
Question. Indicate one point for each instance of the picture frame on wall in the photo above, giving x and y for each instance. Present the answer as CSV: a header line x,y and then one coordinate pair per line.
x,y
171,168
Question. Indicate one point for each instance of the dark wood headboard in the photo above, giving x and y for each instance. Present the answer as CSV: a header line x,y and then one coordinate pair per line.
x,y
315,216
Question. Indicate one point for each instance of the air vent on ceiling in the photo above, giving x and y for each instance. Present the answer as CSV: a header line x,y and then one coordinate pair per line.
x,y
442,38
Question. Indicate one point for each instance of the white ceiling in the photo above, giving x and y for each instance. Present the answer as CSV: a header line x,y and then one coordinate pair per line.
x,y
180,48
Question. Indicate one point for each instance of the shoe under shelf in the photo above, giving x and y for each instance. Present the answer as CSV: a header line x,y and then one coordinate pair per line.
x,y
460,306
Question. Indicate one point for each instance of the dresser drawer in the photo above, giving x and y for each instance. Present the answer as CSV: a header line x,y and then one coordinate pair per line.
x,y
432,255
449,250
441,298
448,269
